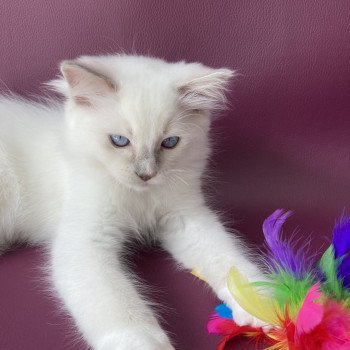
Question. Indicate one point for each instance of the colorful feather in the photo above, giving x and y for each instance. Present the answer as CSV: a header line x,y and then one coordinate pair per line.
x,y
290,277
343,273
341,236
309,306
281,253
198,275
282,338
224,311
341,244
332,333
229,330
328,265
287,290
249,299
311,312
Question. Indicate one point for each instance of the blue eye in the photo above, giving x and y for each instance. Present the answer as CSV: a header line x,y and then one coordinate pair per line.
x,y
170,142
119,141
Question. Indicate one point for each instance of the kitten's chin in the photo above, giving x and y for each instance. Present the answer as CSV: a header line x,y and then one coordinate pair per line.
x,y
142,186
147,185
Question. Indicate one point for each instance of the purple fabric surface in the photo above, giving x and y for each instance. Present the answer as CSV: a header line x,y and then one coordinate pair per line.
x,y
284,143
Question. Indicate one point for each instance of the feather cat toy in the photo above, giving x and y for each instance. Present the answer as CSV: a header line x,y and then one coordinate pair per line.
x,y
306,303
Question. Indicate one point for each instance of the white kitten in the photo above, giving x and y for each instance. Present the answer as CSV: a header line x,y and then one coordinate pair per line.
x,y
123,157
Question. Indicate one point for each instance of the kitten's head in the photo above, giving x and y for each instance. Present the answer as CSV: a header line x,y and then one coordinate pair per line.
x,y
144,120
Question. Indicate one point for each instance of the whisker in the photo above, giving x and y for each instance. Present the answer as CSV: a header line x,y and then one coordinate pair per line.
x,y
181,179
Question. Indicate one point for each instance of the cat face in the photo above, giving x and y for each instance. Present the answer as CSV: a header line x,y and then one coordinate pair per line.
x,y
143,120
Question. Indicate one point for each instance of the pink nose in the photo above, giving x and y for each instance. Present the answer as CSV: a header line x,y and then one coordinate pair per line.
x,y
146,177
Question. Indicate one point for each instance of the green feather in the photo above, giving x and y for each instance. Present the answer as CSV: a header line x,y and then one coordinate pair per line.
x,y
332,285
287,290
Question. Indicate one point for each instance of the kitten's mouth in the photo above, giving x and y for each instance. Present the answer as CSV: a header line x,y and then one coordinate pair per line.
x,y
142,186
138,185
145,185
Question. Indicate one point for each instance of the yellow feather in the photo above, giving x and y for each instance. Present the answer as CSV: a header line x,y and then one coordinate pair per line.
x,y
280,346
198,275
245,294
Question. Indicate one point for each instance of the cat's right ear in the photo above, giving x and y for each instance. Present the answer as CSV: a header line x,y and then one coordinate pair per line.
x,y
83,85
206,89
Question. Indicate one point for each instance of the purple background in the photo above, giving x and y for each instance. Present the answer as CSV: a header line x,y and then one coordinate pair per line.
x,y
284,143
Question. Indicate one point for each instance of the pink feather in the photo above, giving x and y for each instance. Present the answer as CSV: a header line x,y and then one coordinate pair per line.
x,y
311,312
230,330
333,333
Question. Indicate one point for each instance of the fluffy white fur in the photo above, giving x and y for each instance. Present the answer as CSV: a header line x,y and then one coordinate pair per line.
x,y
63,183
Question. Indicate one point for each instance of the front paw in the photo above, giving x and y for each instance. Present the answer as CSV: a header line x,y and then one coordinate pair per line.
x,y
243,318
240,316
136,338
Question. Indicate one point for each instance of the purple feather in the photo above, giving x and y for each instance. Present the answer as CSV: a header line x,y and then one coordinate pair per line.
x,y
341,245
344,272
341,236
281,252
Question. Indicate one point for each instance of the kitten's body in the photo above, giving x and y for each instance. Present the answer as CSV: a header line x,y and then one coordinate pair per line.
x,y
32,170
63,183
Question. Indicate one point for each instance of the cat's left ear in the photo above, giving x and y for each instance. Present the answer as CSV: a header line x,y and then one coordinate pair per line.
x,y
207,90
85,85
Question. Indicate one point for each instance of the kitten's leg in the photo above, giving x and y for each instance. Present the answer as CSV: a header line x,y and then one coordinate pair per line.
x,y
101,296
198,240
9,201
